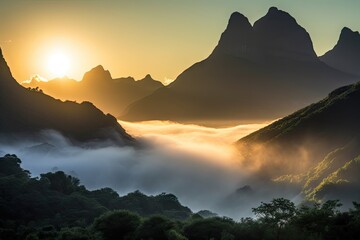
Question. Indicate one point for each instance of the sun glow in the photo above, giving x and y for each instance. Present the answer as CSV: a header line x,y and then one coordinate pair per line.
x,y
58,64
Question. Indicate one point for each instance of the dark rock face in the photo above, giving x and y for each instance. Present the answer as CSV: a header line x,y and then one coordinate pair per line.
x,y
279,35
237,38
26,112
345,56
254,73
6,78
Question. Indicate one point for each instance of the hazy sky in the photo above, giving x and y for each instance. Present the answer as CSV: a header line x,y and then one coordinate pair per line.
x,y
136,37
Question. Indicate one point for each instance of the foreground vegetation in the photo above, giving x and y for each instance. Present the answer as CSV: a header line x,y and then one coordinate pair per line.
x,y
56,206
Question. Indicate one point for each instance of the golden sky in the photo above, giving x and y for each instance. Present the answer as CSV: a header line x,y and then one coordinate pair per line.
x,y
133,38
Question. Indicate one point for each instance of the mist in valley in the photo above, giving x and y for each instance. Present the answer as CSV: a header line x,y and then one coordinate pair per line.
x,y
200,165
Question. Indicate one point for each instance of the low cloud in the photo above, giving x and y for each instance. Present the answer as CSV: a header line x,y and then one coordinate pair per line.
x,y
198,164
167,81
35,78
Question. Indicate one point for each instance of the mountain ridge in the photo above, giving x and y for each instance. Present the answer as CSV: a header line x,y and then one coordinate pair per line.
x,y
25,113
249,66
97,85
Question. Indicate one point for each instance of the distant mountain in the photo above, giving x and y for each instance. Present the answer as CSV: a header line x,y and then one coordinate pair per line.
x,y
317,146
346,53
255,72
97,85
27,112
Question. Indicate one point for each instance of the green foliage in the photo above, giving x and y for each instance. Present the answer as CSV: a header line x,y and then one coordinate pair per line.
x,y
278,212
56,206
209,228
317,219
156,227
61,182
59,200
76,233
117,225
164,204
174,235
250,229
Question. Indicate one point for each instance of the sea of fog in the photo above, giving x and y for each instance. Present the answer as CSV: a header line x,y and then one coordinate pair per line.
x,y
200,165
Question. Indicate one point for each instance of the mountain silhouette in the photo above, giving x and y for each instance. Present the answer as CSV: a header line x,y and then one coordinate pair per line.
x,y
255,72
98,74
98,86
317,146
25,113
346,53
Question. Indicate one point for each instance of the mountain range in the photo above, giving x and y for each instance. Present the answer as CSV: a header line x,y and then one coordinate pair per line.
x,y
97,86
317,147
256,72
26,113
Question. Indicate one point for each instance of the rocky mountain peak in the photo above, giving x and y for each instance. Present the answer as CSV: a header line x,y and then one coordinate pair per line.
x,y
148,78
345,55
236,37
98,73
349,37
278,34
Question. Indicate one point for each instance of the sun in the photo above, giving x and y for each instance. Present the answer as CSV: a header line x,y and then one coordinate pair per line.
x,y
58,63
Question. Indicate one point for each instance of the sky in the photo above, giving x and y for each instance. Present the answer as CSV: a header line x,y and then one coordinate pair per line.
x,y
137,37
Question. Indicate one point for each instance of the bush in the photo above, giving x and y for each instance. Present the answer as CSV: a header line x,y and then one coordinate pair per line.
x,y
117,225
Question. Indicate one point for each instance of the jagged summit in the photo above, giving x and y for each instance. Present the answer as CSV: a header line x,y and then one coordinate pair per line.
x,y
345,56
274,12
97,73
279,35
236,38
149,83
237,20
255,72
347,36
147,77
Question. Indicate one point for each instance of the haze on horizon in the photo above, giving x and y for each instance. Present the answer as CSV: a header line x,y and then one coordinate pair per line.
x,y
181,159
133,38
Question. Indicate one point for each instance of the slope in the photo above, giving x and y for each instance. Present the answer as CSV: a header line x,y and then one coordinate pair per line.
x,y
317,147
27,112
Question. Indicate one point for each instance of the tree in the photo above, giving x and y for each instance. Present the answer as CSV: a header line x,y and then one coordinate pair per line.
x,y
61,182
276,214
317,219
209,228
117,224
174,235
249,229
75,233
155,227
